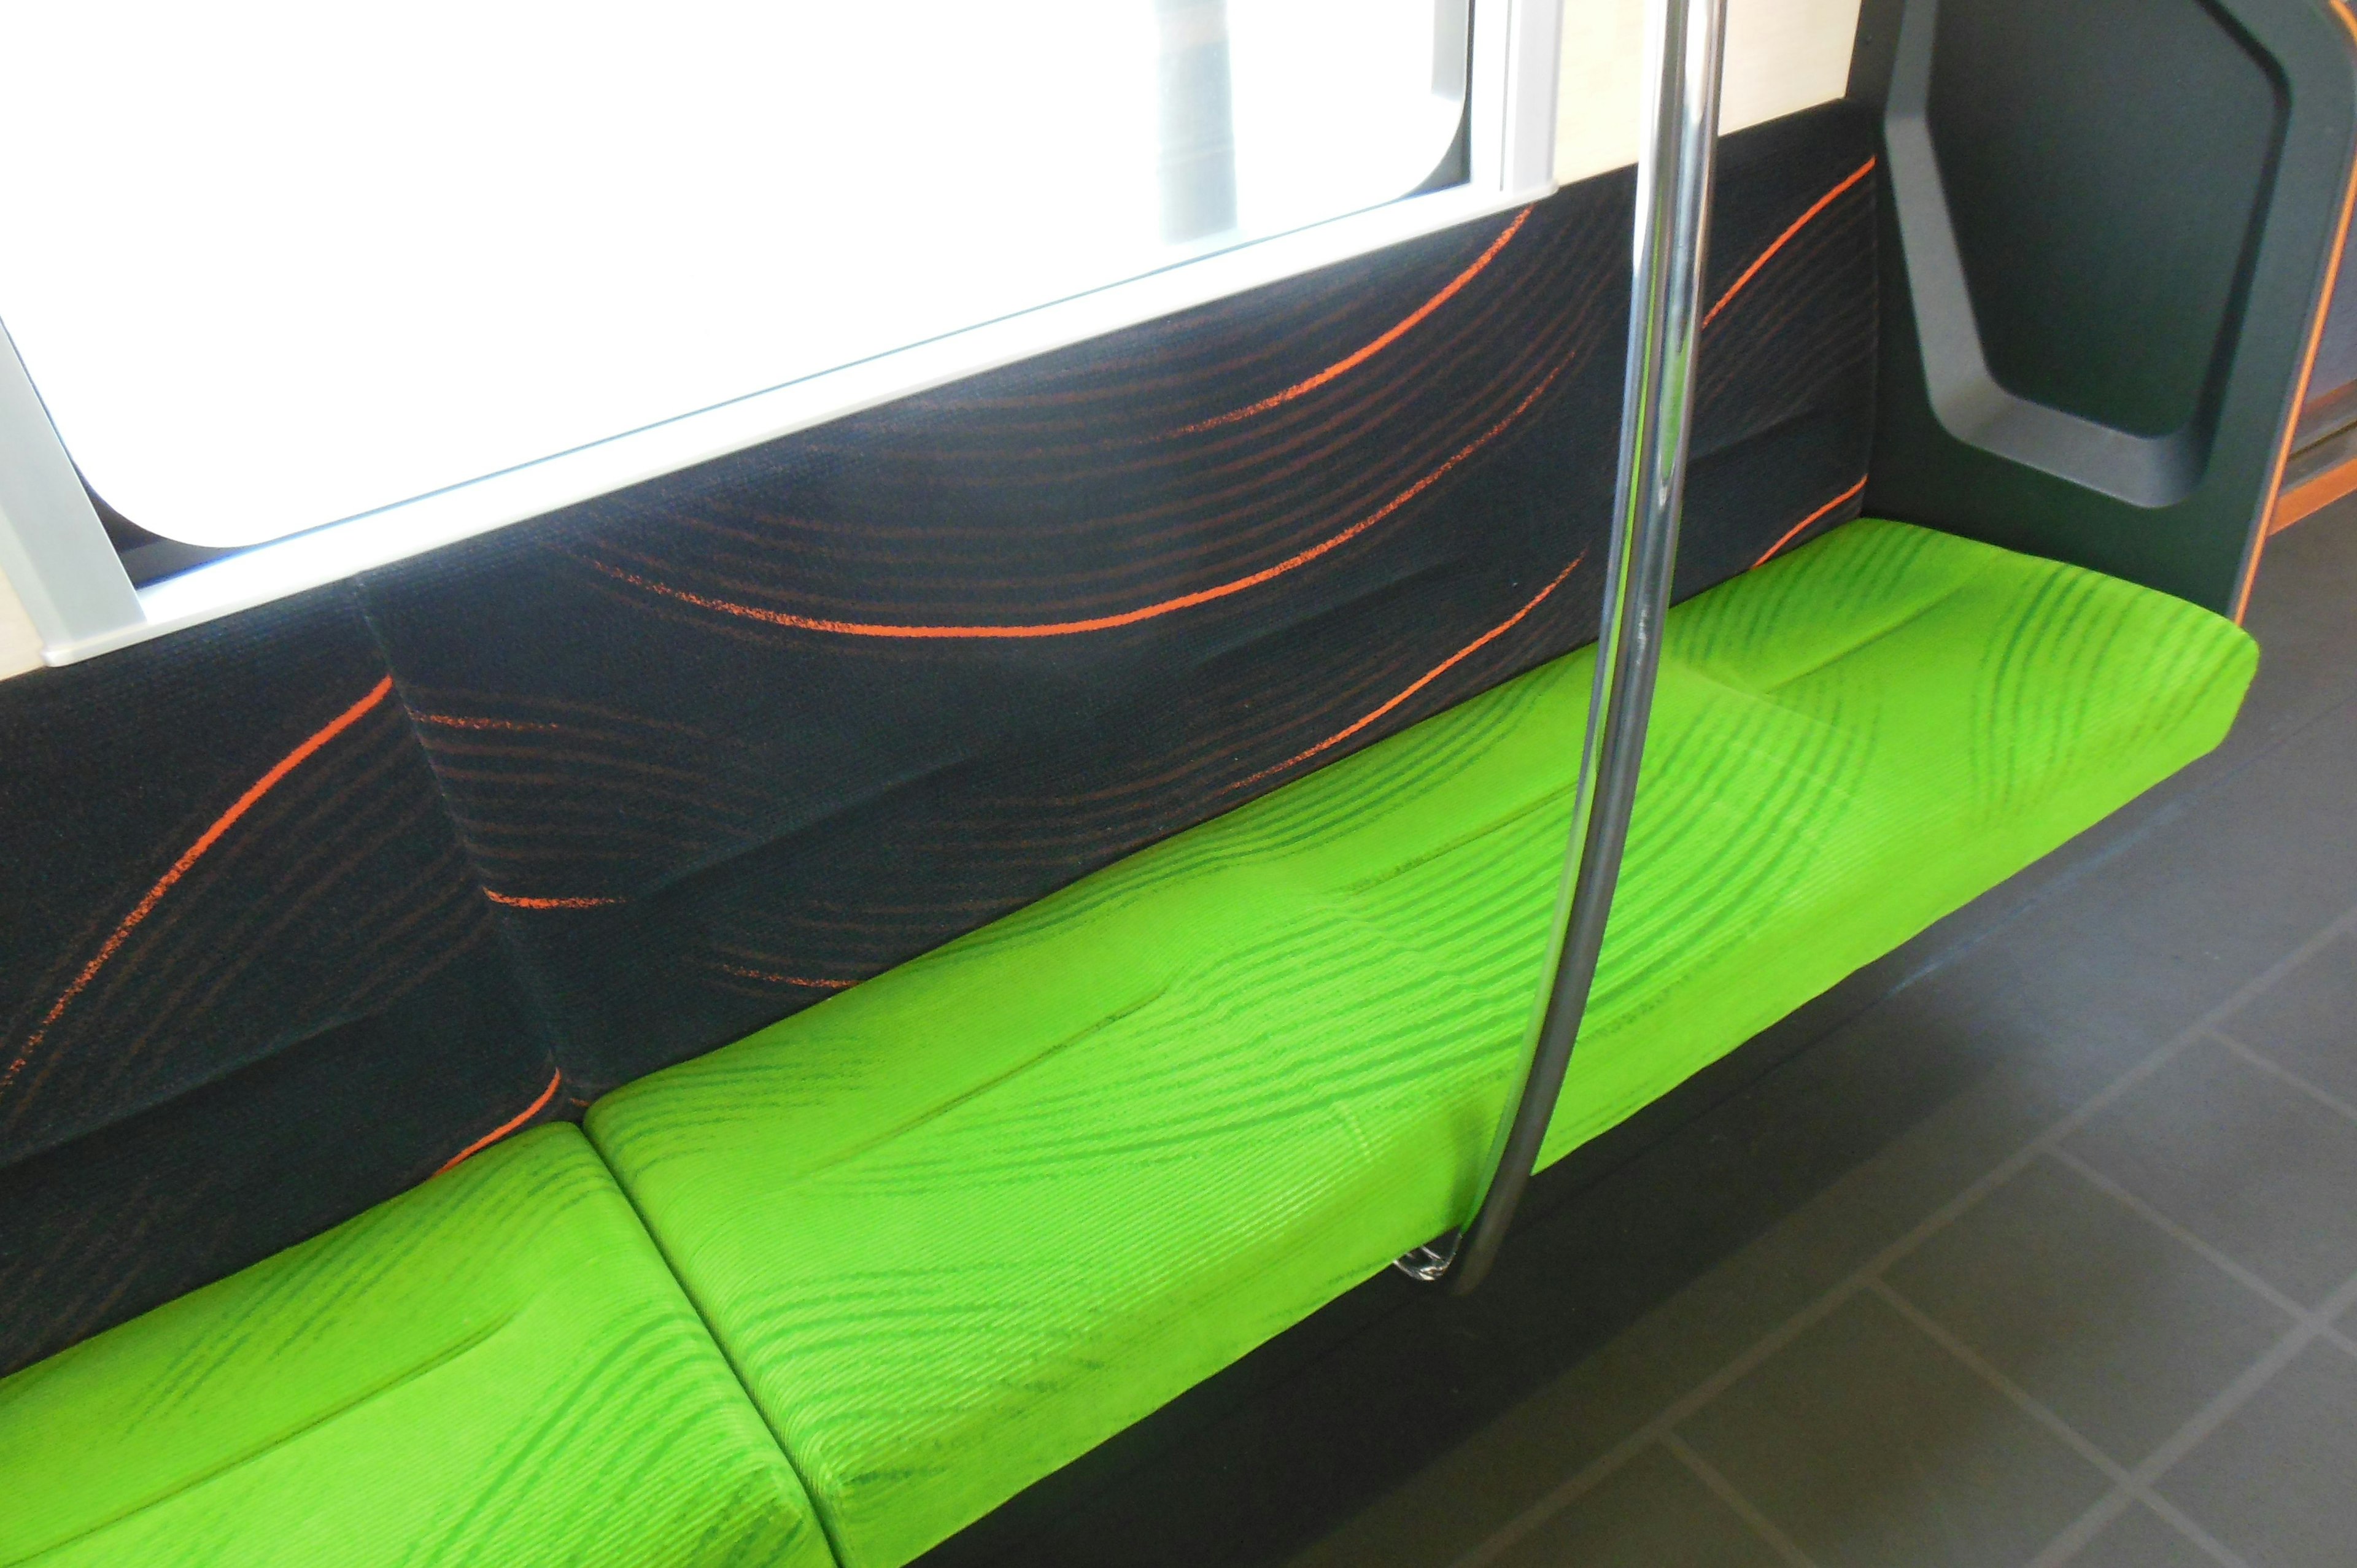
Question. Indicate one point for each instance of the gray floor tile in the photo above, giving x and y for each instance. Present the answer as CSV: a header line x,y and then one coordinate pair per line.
x,y
2241,1159
2203,903
1511,1465
1872,1447
2122,950
2300,616
1575,1418
2108,1321
2308,1020
2142,1538
2278,1482
1651,1513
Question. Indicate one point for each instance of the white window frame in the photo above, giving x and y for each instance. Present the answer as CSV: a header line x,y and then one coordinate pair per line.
x,y
56,555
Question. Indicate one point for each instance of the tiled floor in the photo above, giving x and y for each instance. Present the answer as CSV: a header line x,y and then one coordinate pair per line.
x,y
2034,1244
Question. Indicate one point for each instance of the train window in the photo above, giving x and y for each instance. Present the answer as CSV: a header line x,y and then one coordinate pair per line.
x,y
272,265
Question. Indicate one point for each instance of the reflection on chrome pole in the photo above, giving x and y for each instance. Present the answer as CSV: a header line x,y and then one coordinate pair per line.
x,y
1673,185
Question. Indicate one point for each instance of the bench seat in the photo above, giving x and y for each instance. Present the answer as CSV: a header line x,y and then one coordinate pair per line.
x,y
493,1368
959,1224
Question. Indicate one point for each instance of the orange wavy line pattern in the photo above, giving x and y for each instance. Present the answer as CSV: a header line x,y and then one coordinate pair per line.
x,y
504,1128
785,979
1427,679
188,857
1096,622
1801,527
465,721
1803,221
518,901
1352,362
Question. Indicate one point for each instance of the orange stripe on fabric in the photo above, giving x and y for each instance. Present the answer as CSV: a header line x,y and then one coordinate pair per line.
x,y
1352,362
465,721
1097,623
518,901
504,1128
188,857
785,979
1802,526
1427,679
1803,221
2307,364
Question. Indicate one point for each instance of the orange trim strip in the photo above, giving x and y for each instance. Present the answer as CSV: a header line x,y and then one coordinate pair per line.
x,y
504,1128
2313,495
188,857
1803,221
786,979
1352,363
2308,364
1427,679
517,901
1802,526
1097,623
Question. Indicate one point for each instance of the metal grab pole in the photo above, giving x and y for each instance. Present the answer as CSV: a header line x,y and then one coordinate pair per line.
x,y
1674,185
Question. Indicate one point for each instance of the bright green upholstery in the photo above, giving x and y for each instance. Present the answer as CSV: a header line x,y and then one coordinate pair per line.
x,y
494,1369
959,1224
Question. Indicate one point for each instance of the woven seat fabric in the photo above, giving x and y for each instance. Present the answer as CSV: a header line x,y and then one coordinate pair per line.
x,y
966,1221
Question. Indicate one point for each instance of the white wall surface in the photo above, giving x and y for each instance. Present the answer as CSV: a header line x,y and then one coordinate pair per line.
x,y
20,645
1781,55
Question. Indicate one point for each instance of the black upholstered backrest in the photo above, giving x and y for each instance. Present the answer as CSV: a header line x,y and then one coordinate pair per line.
x,y
306,904
725,742
247,984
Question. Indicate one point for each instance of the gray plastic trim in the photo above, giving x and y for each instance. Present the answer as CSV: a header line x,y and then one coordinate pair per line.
x,y
2143,470
53,549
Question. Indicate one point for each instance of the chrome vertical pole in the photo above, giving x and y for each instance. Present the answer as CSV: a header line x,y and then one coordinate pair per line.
x,y
1673,188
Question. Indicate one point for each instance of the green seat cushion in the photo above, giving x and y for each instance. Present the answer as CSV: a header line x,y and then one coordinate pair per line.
x,y
960,1223
493,1370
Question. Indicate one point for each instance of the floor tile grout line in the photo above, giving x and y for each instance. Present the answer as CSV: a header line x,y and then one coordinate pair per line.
x,y
1724,1490
1669,1418
1659,1429
2124,1486
2242,1274
2276,1069
2170,1514
2080,1532
2029,1405
2198,1427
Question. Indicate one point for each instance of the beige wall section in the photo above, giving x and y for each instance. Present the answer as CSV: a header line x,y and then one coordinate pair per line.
x,y
20,645
1781,55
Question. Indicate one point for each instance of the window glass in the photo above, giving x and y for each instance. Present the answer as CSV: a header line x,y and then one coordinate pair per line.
x,y
271,265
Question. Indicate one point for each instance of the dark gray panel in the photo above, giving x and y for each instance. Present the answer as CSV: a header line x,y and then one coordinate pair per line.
x,y
2105,283
2110,227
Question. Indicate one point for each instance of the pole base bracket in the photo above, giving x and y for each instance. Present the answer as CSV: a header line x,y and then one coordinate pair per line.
x,y
1429,1263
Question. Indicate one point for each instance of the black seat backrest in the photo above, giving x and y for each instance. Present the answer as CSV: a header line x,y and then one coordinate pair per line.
x,y
303,905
